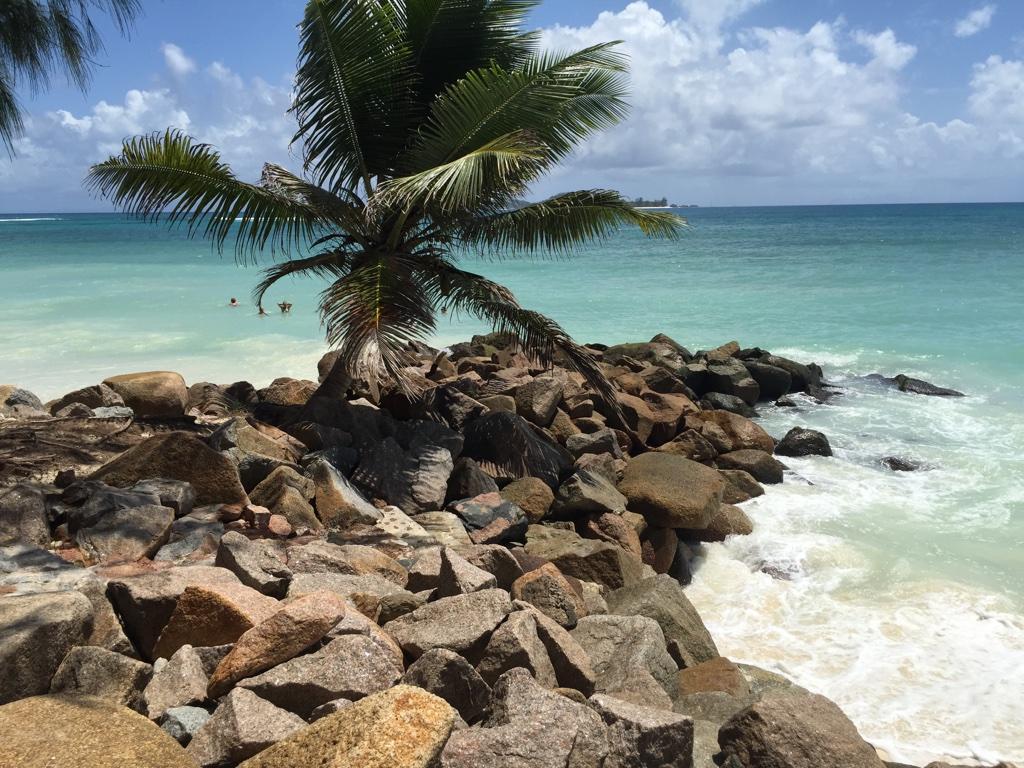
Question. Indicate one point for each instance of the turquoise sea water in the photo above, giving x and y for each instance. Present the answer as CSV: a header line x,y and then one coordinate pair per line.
x,y
906,596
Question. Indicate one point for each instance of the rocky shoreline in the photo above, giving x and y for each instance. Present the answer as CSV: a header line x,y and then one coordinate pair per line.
x,y
490,574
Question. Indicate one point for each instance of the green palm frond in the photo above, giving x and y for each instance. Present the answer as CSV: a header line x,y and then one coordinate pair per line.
x,y
561,224
329,264
500,168
40,39
170,176
374,311
353,91
560,99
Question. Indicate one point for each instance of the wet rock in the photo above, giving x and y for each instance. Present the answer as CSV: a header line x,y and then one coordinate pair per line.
x,y
506,446
588,492
642,736
740,486
404,727
803,442
156,394
243,725
93,733
795,731
899,464
178,682
731,377
214,614
36,633
462,623
919,387
731,403
349,667
258,564
529,727
516,644
671,491
126,534
531,495
468,480
287,633
182,723
728,521
584,559
762,466
460,577
629,657
774,382
663,600
23,516
446,674
178,456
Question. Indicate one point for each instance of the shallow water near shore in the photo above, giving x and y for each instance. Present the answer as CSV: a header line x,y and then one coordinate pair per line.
x,y
903,593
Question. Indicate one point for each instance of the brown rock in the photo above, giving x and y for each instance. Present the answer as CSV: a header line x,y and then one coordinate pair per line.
x,y
214,614
531,495
152,395
716,675
84,732
242,725
285,391
104,674
284,635
462,623
795,731
613,528
740,486
671,491
177,456
351,559
728,521
516,644
572,666
659,547
547,590
729,431
762,466
690,445
404,727
584,559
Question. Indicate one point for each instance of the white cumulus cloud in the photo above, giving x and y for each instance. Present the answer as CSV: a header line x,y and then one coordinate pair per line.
x,y
179,63
976,21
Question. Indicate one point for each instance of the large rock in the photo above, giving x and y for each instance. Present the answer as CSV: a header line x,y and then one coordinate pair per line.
x,y
104,674
349,667
259,564
585,559
468,480
728,521
250,436
919,387
214,614
762,466
588,491
348,559
462,624
491,512
506,446
178,456
729,432
642,736
414,481
496,560
529,727
547,590
663,600
795,731
774,382
338,503
690,444
126,534
84,732
571,664
23,516
287,633
156,394
671,491
731,377
516,644
285,492
458,576
36,633
446,674
146,601
629,657
537,401
803,442
243,725
530,494
180,681
740,486
96,396
403,727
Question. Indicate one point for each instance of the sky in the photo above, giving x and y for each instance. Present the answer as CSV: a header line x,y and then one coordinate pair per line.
x,y
733,102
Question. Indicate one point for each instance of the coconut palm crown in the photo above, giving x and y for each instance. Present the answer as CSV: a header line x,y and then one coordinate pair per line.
x,y
421,123
40,38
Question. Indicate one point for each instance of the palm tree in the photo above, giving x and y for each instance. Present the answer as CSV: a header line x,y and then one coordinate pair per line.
x,y
421,124
39,38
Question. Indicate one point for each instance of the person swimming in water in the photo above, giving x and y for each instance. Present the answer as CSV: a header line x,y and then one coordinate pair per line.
x,y
233,302
285,307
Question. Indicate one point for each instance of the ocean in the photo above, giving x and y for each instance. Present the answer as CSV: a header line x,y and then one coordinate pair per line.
x,y
904,596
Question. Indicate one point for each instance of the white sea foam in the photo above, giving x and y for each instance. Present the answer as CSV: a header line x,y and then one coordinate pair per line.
x,y
40,218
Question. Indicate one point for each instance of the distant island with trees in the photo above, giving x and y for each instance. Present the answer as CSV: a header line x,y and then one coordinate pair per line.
x,y
662,203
